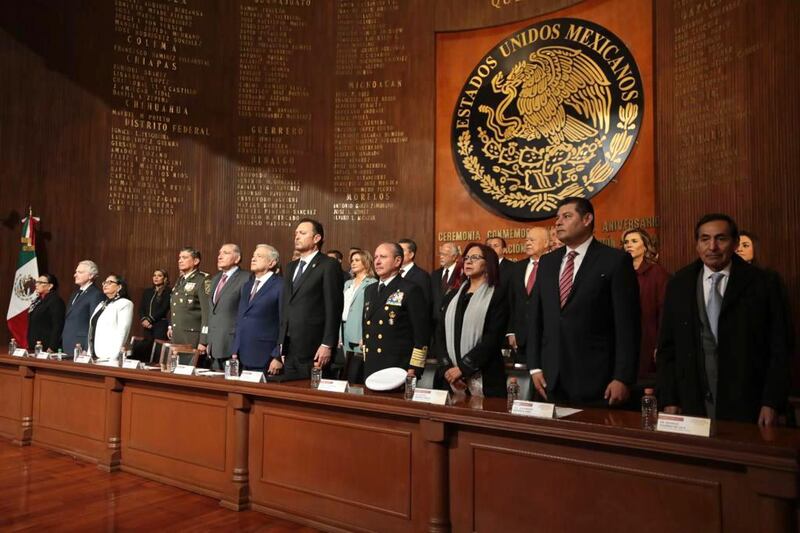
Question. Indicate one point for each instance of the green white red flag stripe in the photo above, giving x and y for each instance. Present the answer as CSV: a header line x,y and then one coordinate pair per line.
x,y
23,290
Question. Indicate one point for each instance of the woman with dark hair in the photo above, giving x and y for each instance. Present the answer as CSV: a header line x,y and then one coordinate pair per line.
x,y
153,313
653,280
111,321
46,314
747,247
474,324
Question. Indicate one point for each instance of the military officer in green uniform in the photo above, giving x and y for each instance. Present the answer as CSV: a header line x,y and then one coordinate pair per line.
x,y
189,300
396,323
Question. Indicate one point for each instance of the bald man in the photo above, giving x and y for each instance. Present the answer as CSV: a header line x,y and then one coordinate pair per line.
x,y
523,277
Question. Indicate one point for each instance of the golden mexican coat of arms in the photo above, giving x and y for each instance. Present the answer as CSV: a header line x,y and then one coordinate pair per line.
x,y
552,111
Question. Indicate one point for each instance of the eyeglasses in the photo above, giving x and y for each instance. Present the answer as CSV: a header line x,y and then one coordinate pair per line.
x,y
110,282
40,282
473,257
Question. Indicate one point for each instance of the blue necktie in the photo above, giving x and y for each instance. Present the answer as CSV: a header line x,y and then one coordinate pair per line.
x,y
714,303
300,268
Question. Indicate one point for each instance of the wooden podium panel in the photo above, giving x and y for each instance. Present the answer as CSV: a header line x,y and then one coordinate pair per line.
x,y
69,414
177,436
341,468
10,401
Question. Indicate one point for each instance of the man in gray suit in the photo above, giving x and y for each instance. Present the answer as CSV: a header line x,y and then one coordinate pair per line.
x,y
217,333
80,306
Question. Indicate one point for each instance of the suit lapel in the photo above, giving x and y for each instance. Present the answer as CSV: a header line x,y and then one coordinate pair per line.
x,y
583,271
306,273
738,280
261,290
379,300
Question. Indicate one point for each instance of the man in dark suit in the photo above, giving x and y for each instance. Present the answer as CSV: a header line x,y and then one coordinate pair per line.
x,y
520,289
258,316
80,306
312,303
500,247
724,341
583,346
396,325
217,333
443,276
412,272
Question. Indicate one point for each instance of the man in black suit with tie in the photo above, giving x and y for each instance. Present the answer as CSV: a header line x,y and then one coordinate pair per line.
x,y
412,272
583,345
500,247
442,277
312,303
520,289
80,306
724,343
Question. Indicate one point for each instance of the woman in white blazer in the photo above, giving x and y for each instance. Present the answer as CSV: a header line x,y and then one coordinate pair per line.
x,y
111,321
353,311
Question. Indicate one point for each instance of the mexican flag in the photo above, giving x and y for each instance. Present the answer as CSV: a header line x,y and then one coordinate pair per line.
x,y
23,292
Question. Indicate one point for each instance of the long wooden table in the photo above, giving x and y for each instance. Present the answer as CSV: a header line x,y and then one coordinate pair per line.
x,y
375,462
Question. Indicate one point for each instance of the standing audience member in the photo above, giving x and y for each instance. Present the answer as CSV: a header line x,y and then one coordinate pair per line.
x,y
723,352
312,303
153,313
258,318
396,317
653,280
555,242
111,320
336,254
442,279
412,272
80,306
474,326
46,315
217,332
500,247
352,312
189,300
520,289
583,346
747,247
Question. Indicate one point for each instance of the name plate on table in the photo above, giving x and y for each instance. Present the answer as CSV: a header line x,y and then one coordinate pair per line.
x,y
332,385
43,355
251,376
433,396
686,425
84,359
20,352
131,364
534,409
107,362
184,370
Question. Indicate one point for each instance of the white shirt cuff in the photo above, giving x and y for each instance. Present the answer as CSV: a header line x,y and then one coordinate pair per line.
x,y
536,371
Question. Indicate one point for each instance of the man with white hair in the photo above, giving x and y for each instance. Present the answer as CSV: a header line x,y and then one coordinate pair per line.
x,y
223,304
80,306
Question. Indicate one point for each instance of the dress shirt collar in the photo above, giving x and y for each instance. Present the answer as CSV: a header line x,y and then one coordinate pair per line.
x,y
707,272
231,271
309,256
387,281
581,248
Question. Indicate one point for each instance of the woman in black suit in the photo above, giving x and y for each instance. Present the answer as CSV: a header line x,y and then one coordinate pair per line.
x,y
474,326
153,313
46,314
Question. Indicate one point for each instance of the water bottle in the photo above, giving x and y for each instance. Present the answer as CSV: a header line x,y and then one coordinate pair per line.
x,y
123,354
232,367
12,346
513,393
649,410
411,384
316,376
172,361
78,351
38,349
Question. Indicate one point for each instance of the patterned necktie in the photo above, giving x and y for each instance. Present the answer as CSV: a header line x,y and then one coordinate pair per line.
x,y
532,277
714,303
301,266
381,286
565,283
220,285
445,277
255,289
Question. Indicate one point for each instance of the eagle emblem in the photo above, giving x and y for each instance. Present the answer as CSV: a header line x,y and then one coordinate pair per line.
x,y
552,121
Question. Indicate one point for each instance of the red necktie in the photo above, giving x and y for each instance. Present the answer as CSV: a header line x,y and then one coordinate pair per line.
x,y
565,283
531,277
219,287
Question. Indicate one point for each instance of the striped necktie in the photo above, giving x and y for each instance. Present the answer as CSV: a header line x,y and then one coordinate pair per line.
x,y
565,283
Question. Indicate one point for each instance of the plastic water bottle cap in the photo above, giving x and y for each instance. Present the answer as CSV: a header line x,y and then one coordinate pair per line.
x,y
649,391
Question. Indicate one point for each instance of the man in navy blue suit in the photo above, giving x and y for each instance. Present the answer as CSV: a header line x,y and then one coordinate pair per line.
x,y
258,318
80,306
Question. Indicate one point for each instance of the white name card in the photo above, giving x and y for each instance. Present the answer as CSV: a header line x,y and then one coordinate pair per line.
x,y
433,396
43,355
184,370
20,352
131,363
332,385
686,425
251,376
534,409
85,359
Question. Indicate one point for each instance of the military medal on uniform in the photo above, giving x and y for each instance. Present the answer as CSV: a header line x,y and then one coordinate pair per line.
x,y
392,316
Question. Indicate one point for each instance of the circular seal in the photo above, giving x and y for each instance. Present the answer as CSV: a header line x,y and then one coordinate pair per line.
x,y
552,111
25,287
